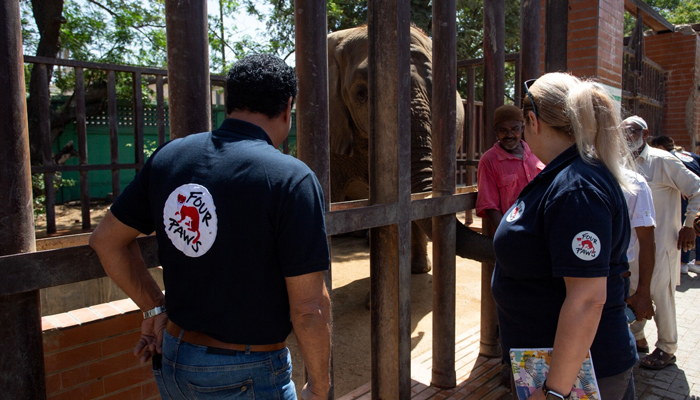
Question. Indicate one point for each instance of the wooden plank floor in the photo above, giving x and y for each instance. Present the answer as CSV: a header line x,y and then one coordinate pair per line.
x,y
477,377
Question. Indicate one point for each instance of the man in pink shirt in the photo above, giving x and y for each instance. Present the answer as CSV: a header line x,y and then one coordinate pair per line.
x,y
506,168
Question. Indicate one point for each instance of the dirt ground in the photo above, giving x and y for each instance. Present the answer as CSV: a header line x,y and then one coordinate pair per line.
x,y
351,319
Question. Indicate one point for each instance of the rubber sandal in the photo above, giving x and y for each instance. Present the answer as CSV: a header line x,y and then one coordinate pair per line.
x,y
657,360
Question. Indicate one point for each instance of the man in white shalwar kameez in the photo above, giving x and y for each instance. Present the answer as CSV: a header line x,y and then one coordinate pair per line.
x,y
667,178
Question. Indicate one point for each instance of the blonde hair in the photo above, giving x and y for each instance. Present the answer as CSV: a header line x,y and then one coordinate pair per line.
x,y
584,110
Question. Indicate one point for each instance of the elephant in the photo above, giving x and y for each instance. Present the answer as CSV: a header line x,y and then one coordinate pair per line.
x,y
349,136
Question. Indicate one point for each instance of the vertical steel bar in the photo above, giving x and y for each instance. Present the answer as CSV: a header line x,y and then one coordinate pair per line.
x,y
494,80
113,131
45,128
160,110
518,89
389,146
188,67
21,344
556,29
471,113
312,102
80,124
138,121
444,147
530,39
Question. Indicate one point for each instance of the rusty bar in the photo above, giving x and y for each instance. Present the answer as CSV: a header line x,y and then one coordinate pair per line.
x,y
389,114
42,269
444,148
556,29
138,121
45,128
475,62
530,40
350,220
188,67
494,80
312,103
113,131
80,124
470,113
21,343
518,89
38,169
160,110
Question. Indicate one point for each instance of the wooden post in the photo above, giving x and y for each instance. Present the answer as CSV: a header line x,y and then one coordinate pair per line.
x,y
494,91
188,67
444,124
389,165
21,343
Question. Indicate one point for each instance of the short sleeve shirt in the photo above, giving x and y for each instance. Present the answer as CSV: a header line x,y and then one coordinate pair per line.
x,y
501,176
233,217
570,221
641,208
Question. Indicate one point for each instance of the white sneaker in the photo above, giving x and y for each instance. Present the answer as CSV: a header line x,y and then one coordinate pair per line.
x,y
694,268
684,268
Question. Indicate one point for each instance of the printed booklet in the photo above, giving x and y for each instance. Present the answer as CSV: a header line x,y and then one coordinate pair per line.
x,y
530,368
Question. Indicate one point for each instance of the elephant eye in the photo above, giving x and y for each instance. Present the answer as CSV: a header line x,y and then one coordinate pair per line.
x,y
361,94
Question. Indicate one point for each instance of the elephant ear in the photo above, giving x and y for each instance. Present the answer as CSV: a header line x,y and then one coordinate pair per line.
x,y
341,132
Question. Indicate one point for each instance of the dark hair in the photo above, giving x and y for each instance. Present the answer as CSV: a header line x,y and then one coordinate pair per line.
x,y
260,83
664,141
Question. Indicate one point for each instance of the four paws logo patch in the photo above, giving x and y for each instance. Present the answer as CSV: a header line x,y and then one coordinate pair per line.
x,y
516,212
586,245
189,216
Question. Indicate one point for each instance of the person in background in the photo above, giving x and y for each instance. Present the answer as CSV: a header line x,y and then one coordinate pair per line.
x,y
668,179
642,248
561,248
692,162
242,241
506,168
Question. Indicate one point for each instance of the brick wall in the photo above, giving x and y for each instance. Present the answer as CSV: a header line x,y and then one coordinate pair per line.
x,y
88,354
678,53
595,36
595,33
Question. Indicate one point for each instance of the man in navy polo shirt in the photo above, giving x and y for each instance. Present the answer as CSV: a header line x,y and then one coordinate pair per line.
x,y
242,241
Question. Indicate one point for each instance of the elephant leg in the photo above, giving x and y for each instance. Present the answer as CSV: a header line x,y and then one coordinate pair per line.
x,y
469,244
420,263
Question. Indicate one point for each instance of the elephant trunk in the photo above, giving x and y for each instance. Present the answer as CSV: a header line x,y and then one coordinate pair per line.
x,y
469,244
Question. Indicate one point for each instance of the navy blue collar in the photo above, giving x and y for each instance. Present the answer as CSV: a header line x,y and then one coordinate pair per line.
x,y
231,125
561,161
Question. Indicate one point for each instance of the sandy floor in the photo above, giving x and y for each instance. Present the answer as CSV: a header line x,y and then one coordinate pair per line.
x,y
351,319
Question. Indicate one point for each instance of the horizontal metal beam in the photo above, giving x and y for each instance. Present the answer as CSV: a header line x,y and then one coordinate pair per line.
x,y
511,57
652,19
106,67
39,169
33,271
355,219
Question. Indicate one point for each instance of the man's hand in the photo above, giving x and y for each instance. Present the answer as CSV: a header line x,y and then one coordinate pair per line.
x,y
686,239
641,304
151,341
311,393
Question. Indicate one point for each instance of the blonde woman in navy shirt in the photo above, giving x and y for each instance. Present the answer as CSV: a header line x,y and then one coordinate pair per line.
x,y
562,246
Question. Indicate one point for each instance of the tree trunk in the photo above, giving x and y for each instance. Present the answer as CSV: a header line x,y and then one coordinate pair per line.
x,y
48,15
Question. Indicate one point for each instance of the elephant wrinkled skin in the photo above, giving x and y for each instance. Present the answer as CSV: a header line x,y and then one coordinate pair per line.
x,y
349,135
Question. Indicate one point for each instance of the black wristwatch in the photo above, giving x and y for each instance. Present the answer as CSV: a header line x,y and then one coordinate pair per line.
x,y
552,395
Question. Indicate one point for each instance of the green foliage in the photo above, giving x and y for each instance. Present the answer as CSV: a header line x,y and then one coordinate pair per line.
x,y
39,194
677,12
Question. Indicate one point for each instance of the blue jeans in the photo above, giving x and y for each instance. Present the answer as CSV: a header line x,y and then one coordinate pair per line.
x,y
188,371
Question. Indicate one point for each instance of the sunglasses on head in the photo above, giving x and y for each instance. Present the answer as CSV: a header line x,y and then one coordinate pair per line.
x,y
527,84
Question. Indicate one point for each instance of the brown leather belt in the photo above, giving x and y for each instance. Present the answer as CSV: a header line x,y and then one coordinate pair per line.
x,y
202,339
